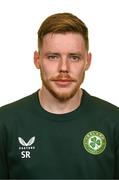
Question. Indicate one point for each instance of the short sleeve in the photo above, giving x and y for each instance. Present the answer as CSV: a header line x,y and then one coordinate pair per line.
x,y
3,155
116,174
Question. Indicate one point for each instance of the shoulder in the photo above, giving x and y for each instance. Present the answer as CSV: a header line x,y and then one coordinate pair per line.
x,y
100,105
17,107
104,104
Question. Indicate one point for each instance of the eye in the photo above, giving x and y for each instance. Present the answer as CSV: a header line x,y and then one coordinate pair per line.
x,y
52,57
75,58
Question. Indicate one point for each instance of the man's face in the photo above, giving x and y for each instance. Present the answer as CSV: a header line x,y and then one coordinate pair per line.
x,y
63,60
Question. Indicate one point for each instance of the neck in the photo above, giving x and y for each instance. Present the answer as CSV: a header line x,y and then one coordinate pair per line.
x,y
53,105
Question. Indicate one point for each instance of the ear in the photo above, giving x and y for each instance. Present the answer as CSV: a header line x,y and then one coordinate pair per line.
x,y
37,59
88,62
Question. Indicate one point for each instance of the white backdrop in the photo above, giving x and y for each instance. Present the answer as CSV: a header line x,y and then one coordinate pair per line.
x,y
19,22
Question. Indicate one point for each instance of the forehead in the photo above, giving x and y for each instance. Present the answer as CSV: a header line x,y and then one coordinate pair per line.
x,y
67,41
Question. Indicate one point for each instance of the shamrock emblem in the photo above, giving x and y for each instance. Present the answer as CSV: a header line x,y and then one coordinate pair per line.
x,y
95,142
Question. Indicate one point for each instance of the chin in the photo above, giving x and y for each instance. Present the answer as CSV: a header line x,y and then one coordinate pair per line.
x,y
64,95
61,93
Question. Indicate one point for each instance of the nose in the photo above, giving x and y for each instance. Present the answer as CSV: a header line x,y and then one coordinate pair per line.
x,y
64,65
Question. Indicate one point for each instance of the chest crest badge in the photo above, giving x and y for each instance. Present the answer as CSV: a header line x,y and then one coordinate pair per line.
x,y
94,142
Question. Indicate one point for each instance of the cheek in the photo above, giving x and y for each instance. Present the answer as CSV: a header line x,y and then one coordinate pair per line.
x,y
78,70
47,69
51,66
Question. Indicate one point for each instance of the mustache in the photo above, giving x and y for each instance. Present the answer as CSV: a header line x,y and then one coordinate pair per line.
x,y
61,77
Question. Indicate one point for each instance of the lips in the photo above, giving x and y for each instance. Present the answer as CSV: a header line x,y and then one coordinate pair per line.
x,y
63,82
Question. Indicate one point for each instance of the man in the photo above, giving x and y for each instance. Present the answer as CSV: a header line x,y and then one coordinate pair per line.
x,y
60,131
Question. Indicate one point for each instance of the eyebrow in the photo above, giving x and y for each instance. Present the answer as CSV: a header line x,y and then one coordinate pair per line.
x,y
56,53
76,53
